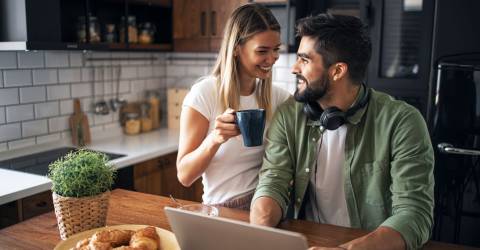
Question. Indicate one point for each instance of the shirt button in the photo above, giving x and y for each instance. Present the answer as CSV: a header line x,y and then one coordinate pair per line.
x,y
307,170
299,200
291,183
313,139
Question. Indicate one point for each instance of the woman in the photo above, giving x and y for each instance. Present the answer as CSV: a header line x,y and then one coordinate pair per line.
x,y
241,79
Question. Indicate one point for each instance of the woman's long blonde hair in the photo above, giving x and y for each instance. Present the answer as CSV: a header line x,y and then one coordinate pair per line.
x,y
245,21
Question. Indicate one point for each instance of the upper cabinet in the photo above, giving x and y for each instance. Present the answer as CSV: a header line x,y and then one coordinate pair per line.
x,y
198,24
86,24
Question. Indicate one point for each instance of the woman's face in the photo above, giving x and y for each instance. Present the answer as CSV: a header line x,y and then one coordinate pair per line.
x,y
258,54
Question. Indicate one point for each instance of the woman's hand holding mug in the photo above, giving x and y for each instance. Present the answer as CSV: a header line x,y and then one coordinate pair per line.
x,y
225,127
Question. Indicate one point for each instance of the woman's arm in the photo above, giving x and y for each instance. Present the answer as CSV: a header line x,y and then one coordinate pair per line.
x,y
196,149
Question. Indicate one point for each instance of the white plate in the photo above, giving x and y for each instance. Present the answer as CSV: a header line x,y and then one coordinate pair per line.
x,y
167,238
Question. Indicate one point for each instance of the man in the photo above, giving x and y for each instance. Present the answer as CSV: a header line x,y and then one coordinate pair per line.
x,y
366,162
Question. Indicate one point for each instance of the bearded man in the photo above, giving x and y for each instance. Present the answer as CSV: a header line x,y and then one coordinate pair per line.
x,y
344,154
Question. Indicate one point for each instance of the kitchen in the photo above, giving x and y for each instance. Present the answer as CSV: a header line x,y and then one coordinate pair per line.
x,y
41,79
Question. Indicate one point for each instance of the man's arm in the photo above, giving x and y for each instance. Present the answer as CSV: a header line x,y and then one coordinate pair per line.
x,y
272,195
381,238
266,212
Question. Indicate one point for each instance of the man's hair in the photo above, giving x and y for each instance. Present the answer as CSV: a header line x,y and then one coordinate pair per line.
x,y
339,39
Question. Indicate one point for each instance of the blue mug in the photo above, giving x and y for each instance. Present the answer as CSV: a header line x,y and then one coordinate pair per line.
x,y
251,123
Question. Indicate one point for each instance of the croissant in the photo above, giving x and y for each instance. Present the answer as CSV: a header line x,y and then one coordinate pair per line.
x,y
115,237
142,239
146,238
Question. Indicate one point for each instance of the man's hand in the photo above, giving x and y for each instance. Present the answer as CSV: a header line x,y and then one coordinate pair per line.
x,y
266,212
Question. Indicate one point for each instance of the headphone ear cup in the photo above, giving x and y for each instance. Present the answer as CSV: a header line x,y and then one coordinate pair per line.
x,y
312,111
332,118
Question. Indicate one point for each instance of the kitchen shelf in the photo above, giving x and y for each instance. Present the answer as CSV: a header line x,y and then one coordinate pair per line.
x,y
59,24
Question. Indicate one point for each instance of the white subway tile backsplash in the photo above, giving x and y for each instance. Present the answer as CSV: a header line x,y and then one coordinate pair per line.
x,y
152,84
176,70
47,109
124,87
10,132
76,59
58,124
198,71
48,138
32,128
2,115
19,113
56,59
31,59
107,88
21,143
32,94
45,76
159,71
128,73
3,147
9,96
145,72
103,119
81,90
69,75
58,92
15,78
87,74
8,60
138,85
66,107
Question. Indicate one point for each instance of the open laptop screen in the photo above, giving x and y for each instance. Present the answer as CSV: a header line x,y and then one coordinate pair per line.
x,y
201,232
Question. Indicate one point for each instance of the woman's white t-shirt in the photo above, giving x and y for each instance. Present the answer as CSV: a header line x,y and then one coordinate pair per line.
x,y
233,171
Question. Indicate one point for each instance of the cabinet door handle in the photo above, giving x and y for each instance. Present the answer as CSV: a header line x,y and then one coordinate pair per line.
x,y
41,204
203,17
213,23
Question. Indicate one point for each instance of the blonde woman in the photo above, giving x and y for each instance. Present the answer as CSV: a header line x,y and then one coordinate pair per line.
x,y
241,79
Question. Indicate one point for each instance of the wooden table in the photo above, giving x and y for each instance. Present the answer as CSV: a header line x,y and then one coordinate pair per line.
x,y
127,207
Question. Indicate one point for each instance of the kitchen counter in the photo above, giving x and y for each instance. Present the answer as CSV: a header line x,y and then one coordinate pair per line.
x,y
41,232
15,185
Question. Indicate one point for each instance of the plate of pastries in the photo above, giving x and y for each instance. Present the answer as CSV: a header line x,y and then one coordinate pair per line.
x,y
121,237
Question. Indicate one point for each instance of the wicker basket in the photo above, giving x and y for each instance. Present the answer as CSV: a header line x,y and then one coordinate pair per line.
x,y
76,215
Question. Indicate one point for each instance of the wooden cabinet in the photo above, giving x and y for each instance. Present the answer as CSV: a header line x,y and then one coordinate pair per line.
x,y
36,204
198,24
26,208
159,176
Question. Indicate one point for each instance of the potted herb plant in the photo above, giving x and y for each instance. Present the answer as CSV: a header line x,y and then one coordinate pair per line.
x,y
81,183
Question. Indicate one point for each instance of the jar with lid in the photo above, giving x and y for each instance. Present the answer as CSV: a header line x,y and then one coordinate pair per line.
x,y
145,119
146,32
131,29
94,29
132,124
110,33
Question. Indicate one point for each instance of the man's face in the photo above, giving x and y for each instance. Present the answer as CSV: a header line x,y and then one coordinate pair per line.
x,y
312,77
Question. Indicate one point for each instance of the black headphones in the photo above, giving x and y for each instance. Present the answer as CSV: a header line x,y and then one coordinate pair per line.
x,y
332,117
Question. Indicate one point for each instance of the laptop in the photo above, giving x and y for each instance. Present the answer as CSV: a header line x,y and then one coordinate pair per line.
x,y
196,231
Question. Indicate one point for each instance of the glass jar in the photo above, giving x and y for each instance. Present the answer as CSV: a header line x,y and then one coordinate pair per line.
x,y
94,29
132,124
110,33
132,29
146,32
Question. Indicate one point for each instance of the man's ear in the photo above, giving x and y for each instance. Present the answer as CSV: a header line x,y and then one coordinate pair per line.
x,y
338,71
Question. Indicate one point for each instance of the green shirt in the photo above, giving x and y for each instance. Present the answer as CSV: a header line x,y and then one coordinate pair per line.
x,y
388,170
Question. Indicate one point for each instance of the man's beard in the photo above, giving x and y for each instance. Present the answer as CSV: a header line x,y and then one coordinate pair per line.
x,y
313,90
